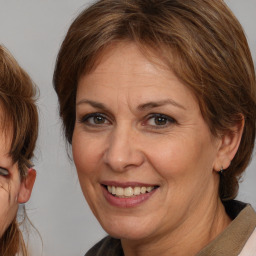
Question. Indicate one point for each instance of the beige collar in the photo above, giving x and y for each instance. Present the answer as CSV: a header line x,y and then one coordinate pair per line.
x,y
232,240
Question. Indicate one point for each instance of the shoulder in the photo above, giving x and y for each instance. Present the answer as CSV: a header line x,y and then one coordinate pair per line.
x,y
108,246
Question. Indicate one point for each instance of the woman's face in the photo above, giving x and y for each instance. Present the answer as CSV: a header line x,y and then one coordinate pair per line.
x,y
144,155
13,190
9,183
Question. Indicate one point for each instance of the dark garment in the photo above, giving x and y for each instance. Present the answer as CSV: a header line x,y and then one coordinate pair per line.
x,y
229,243
108,246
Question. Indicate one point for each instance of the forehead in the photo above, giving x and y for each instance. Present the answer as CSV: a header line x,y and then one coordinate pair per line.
x,y
124,66
138,52
120,63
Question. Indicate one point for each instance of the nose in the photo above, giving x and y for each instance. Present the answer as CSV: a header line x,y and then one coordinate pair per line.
x,y
122,152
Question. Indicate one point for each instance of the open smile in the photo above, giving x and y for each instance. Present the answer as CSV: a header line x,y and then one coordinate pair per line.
x,y
127,195
129,191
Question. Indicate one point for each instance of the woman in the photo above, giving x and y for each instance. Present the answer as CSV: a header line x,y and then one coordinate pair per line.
x,y
158,99
18,134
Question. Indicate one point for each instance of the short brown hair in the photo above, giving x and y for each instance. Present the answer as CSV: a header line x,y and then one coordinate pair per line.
x,y
200,40
17,100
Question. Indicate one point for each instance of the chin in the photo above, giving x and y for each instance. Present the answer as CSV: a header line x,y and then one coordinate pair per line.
x,y
130,228
127,234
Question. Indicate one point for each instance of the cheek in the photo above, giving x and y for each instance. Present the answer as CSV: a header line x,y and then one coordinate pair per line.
x,y
8,207
87,157
87,153
4,201
170,156
176,158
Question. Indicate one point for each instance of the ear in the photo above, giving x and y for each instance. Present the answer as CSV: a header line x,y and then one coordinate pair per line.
x,y
229,145
26,186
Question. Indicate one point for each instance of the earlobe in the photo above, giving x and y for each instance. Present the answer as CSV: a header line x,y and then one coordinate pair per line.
x,y
27,186
230,142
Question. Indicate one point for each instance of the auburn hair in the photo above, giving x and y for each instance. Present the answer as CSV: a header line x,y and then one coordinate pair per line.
x,y
201,41
19,111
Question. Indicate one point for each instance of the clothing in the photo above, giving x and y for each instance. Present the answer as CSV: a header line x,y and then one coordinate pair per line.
x,y
232,241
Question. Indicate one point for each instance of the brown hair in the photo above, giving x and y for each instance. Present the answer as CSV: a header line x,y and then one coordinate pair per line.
x,y
200,40
17,99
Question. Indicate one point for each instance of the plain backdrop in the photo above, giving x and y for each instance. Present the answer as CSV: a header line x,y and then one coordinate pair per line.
x,y
33,31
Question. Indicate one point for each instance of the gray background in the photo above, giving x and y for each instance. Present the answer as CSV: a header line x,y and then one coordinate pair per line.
x,y
33,31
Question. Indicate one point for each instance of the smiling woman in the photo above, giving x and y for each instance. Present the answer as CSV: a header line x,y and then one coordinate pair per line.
x,y
18,133
148,116
158,99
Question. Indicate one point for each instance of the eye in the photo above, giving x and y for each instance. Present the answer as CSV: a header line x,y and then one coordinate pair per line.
x,y
4,172
159,120
95,119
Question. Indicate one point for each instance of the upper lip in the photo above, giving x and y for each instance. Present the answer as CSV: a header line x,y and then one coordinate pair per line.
x,y
127,184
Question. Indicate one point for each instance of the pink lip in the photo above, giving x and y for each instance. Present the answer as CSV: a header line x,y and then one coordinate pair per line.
x,y
126,202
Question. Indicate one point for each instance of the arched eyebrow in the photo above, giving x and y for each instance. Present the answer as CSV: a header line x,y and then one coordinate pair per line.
x,y
92,103
155,104
141,107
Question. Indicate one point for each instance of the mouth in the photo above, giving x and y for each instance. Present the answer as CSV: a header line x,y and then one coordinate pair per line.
x,y
129,191
129,194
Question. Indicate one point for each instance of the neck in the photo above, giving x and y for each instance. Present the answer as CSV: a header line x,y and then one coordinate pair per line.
x,y
204,224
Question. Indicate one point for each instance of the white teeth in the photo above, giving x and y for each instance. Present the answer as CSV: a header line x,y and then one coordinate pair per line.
x,y
119,191
143,190
136,191
128,191
149,189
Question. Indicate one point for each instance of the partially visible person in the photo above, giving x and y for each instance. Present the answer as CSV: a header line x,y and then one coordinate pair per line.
x,y
18,134
158,100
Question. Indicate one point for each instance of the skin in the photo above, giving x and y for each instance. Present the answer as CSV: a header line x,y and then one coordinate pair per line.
x,y
13,190
126,143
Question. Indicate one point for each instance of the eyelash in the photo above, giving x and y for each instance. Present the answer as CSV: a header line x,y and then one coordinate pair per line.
x,y
169,120
85,119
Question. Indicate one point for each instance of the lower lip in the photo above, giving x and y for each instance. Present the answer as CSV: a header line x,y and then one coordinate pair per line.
x,y
126,202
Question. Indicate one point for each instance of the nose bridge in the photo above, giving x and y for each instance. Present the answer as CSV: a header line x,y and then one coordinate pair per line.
x,y
122,150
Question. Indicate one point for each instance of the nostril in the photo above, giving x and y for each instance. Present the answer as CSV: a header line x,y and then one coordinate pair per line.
x,y
122,153
124,163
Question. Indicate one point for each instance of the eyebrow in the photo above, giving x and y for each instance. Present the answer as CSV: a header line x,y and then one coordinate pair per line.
x,y
141,107
155,104
92,103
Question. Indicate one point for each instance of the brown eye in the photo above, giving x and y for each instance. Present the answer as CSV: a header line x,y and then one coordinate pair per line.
x,y
3,171
99,120
95,119
160,120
